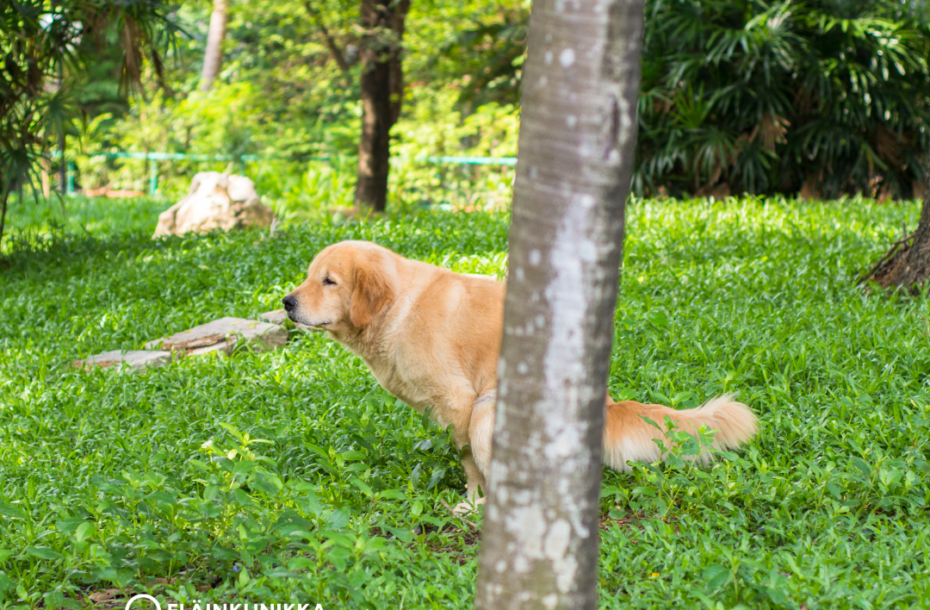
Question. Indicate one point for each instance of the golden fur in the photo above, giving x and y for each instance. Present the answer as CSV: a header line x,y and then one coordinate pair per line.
x,y
432,338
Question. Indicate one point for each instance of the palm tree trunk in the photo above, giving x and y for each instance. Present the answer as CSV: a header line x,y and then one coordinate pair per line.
x,y
907,264
213,56
577,137
381,93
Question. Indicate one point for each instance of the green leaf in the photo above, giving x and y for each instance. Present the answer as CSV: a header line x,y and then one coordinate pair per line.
x,y
401,534
43,552
338,519
163,497
232,430
393,494
199,465
862,466
436,477
715,576
84,531
224,554
338,539
70,524
301,563
10,510
361,486
267,482
292,518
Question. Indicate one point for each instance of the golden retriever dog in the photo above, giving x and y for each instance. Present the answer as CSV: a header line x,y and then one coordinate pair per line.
x,y
432,339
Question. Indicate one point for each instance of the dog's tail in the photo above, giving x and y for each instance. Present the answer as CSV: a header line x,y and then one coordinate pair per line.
x,y
627,437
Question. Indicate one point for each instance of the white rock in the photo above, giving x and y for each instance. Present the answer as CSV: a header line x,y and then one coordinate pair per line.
x,y
223,336
137,359
215,201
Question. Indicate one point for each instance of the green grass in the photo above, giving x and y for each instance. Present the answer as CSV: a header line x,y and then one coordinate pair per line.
x,y
107,481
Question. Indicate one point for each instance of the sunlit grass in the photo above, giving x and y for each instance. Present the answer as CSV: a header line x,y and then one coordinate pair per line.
x,y
107,482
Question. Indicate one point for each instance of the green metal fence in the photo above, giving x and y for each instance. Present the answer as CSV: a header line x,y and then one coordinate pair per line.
x,y
154,157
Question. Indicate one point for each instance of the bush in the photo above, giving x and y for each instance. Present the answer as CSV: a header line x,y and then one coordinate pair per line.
x,y
826,96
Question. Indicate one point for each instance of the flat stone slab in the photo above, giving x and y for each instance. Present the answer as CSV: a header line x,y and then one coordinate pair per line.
x,y
278,316
223,336
137,359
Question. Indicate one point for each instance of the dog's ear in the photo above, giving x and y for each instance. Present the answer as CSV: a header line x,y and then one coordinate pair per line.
x,y
372,293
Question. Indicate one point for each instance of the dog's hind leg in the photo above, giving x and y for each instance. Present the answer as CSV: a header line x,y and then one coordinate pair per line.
x,y
481,430
476,458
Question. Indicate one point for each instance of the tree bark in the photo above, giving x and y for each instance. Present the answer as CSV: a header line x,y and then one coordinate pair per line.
x,y
213,56
907,264
575,162
396,78
381,93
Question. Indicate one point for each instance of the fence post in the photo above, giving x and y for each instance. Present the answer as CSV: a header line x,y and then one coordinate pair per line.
x,y
69,189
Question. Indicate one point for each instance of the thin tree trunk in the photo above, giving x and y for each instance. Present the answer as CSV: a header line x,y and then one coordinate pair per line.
x,y
907,264
213,56
396,79
375,146
46,166
383,22
4,197
63,173
63,169
577,135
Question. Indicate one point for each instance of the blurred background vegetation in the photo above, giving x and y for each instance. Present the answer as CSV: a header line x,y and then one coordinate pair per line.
x,y
824,98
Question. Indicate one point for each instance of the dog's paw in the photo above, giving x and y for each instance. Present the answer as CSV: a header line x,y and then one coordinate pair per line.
x,y
468,506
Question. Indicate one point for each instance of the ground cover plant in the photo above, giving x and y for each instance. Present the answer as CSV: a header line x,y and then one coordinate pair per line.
x,y
291,475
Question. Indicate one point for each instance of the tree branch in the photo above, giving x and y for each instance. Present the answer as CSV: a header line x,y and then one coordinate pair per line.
x,y
330,42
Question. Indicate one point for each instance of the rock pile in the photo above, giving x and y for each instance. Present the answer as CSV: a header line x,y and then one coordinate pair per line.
x,y
215,201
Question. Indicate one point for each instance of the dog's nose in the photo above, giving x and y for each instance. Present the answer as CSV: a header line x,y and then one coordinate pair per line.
x,y
289,303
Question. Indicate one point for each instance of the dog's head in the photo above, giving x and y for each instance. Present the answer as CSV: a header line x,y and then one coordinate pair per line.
x,y
347,285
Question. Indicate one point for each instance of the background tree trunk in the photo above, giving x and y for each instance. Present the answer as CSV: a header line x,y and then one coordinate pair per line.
x,y
577,135
396,78
381,92
907,264
213,56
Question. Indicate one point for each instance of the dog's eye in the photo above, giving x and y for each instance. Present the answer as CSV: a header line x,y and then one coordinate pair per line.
x,y
328,282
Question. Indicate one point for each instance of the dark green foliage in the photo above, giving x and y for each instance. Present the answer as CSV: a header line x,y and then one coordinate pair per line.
x,y
106,479
42,47
765,97
486,56
739,96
